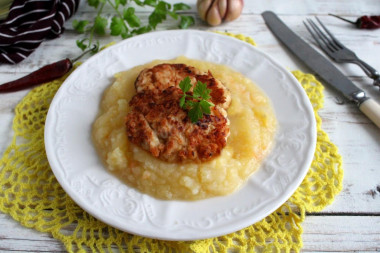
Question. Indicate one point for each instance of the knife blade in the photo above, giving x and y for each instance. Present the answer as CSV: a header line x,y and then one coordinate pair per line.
x,y
322,67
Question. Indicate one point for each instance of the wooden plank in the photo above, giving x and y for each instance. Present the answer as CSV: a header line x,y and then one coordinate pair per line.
x,y
320,234
15,238
341,234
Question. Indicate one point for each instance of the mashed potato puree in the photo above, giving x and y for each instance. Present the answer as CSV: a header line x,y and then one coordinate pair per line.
x,y
252,128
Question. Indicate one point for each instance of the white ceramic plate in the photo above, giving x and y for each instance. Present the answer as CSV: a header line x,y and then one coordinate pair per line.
x,y
78,169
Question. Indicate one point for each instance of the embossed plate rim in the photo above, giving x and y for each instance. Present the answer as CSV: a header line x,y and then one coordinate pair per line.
x,y
81,174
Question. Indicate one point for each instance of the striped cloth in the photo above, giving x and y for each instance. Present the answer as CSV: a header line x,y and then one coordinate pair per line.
x,y
29,23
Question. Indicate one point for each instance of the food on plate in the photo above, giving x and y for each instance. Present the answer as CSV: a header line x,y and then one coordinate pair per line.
x,y
163,76
157,122
148,162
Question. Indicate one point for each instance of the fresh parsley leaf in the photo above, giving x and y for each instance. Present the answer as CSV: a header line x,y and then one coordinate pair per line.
x,y
138,2
118,27
81,44
151,3
173,15
181,7
100,25
159,14
80,26
93,3
155,18
142,30
195,113
131,18
182,101
205,105
201,91
186,21
197,103
163,6
131,24
189,104
185,84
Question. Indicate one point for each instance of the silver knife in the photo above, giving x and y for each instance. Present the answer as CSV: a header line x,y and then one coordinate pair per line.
x,y
323,67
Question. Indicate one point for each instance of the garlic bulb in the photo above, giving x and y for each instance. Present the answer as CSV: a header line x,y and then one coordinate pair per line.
x,y
214,12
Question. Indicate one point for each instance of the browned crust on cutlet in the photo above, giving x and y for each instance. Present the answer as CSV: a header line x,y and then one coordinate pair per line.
x,y
160,126
153,80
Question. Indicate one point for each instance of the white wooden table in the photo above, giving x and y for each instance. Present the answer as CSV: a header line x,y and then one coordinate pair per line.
x,y
352,222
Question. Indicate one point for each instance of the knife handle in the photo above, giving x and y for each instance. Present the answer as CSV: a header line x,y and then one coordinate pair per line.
x,y
372,110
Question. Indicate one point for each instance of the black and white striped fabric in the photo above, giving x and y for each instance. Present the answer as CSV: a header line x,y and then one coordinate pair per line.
x,y
29,23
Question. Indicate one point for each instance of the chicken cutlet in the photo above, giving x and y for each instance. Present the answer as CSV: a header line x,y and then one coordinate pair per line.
x,y
160,126
162,76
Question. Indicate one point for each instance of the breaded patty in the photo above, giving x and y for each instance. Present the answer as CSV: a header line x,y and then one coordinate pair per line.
x,y
163,76
159,125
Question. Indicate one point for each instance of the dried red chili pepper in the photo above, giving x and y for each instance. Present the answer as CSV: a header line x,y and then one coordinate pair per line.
x,y
364,22
42,75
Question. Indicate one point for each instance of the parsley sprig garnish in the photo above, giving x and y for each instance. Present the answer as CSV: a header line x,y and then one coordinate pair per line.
x,y
197,103
125,22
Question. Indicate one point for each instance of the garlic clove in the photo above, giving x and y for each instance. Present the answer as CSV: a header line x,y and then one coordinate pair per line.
x,y
222,4
212,16
203,6
235,8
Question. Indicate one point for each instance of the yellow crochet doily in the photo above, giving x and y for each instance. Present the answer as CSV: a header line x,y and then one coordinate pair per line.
x,y
30,193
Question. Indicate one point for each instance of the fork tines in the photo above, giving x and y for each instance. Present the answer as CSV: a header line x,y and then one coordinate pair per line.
x,y
323,38
336,50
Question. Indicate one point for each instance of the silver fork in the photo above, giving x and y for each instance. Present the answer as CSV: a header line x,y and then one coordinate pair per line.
x,y
337,51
